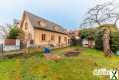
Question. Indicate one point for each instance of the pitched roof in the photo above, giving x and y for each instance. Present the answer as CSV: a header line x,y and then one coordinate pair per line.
x,y
48,24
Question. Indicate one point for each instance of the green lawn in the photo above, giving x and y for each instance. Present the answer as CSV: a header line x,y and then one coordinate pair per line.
x,y
35,67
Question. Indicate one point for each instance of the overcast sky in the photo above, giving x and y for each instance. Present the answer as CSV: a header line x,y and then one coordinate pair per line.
x,y
68,13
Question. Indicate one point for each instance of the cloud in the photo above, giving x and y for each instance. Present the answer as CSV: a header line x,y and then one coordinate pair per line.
x,y
65,12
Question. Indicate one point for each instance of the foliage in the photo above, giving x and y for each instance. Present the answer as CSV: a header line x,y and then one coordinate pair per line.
x,y
114,37
115,41
111,27
85,33
15,33
99,40
103,14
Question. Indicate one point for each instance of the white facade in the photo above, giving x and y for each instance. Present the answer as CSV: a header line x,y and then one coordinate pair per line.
x,y
85,43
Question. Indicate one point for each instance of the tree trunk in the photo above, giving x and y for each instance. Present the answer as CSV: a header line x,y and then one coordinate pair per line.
x,y
90,43
106,43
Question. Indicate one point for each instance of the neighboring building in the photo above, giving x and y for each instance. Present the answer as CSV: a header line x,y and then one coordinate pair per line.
x,y
41,32
75,37
75,33
88,43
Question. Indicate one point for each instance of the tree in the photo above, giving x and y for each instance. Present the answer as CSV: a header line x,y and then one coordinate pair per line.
x,y
114,38
4,30
103,14
107,30
86,33
16,33
89,35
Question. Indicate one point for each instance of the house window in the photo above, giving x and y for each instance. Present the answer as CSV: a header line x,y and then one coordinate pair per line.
x,y
31,41
42,23
65,38
26,26
43,37
59,39
52,37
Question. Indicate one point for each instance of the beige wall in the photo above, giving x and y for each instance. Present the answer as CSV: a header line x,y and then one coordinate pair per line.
x,y
38,38
37,35
28,31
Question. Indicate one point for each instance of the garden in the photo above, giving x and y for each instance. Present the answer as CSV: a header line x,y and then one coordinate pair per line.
x,y
36,67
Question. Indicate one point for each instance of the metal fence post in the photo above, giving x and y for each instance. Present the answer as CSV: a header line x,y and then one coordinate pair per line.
x,y
1,50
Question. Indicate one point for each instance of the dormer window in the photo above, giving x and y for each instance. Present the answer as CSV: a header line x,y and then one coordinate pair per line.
x,y
42,23
55,28
39,22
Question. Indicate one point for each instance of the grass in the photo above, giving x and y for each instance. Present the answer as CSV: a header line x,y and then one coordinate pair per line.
x,y
74,68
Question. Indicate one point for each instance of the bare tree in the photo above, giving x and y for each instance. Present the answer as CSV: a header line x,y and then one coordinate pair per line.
x,y
4,30
99,15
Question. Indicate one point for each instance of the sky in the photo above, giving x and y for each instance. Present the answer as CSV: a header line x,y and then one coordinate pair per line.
x,y
67,13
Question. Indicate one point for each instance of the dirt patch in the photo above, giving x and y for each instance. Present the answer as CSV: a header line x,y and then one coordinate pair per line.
x,y
72,53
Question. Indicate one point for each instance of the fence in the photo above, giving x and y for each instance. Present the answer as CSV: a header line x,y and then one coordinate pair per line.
x,y
9,44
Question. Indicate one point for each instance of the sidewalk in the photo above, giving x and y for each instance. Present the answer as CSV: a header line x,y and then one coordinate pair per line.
x,y
10,53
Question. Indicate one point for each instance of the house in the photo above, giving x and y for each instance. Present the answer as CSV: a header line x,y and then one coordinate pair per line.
x,y
41,32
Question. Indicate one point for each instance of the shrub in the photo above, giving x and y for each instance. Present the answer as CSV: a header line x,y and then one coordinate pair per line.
x,y
15,33
99,40
85,33
114,41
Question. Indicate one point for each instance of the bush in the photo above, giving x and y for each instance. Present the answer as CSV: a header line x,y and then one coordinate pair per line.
x,y
85,33
15,33
99,40
114,41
